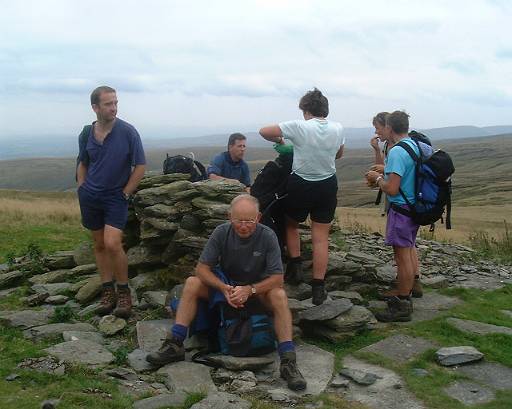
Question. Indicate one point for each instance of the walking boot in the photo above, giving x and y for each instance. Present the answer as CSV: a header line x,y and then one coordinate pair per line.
x,y
170,351
124,303
386,295
108,301
290,373
293,274
398,310
319,294
417,288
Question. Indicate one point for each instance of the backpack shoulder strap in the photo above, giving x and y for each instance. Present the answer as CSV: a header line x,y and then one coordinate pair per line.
x,y
84,135
409,150
202,169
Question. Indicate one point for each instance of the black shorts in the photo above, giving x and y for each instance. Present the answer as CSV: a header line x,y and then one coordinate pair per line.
x,y
318,199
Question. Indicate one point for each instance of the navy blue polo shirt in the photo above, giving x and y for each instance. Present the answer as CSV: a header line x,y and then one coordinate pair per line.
x,y
223,165
109,165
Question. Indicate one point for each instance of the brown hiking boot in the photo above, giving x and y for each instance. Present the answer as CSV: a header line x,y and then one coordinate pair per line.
x,y
398,310
170,351
386,295
124,303
290,373
417,288
108,301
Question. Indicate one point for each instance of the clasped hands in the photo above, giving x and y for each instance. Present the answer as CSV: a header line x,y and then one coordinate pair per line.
x,y
372,175
236,296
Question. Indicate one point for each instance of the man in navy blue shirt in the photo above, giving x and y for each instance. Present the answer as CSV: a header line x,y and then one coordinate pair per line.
x,y
230,165
111,165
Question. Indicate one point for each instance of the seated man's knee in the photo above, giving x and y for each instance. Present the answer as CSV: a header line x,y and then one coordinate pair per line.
x,y
193,286
278,298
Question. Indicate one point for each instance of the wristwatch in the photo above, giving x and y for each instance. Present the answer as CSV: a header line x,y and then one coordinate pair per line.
x,y
127,196
253,290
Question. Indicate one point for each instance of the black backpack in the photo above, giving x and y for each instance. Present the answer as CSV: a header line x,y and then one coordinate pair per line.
x,y
184,164
83,138
432,186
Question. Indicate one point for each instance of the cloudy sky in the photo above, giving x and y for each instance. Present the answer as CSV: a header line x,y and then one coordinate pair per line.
x,y
189,68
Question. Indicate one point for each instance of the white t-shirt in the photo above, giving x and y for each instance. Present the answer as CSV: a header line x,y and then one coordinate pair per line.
x,y
315,144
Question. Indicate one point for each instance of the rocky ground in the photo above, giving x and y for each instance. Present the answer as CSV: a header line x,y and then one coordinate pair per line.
x,y
359,265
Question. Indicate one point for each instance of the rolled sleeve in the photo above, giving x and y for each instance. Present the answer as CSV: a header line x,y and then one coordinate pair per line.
x,y
212,250
215,166
138,156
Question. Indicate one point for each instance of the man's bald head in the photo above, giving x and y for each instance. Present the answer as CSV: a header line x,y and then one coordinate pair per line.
x,y
244,200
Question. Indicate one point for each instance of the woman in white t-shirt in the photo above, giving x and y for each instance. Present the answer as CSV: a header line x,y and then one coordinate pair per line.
x,y
312,185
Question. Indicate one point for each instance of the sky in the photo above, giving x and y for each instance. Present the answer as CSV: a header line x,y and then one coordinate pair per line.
x,y
198,67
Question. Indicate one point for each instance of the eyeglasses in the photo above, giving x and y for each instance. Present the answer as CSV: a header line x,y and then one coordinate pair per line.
x,y
244,222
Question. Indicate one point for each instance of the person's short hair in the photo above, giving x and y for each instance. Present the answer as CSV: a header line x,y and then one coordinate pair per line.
x,y
380,119
243,197
315,103
237,136
398,121
96,94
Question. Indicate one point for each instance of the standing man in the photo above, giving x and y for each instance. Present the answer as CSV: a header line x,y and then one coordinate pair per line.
x,y
230,165
248,254
398,183
111,165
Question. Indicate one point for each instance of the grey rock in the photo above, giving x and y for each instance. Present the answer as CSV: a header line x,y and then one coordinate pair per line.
x,y
354,297
494,375
360,256
479,328
163,400
122,373
11,278
11,377
46,364
57,276
89,309
420,372
111,325
150,334
51,289
84,269
50,404
57,299
458,355
82,352
242,363
161,179
84,254
360,376
139,256
507,313
222,400
187,377
400,348
164,194
327,310
60,259
385,273
84,335
355,318
55,330
6,293
89,291
339,382
386,393
299,292
25,319
142,282
242,386
435,282
469,393
155,298
137,360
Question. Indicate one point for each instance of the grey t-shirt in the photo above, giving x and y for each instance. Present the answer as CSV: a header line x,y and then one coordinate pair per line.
x,y
245,261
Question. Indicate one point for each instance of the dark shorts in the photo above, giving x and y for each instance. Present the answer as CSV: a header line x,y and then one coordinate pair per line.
x,y
100,209
401,231
318,199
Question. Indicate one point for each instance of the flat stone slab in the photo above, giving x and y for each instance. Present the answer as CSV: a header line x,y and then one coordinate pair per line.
x,y
400,348
434,301
327,310
188,377
51,289
110,324
222,400
150,334
82,352
25,319
242,363
45,364
359,376
353,296
478,328
494,375
53,330
155,298
163,400
137,360
469,393
387,392
95,337
458,355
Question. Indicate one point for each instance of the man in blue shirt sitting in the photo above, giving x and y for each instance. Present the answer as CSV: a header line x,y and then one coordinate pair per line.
x,y
111,165
230,165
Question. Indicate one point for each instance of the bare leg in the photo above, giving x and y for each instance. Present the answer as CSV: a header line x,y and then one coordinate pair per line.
x,y
194,290
113,239
405,270
320,239
415,261
276,301
103,260
292,238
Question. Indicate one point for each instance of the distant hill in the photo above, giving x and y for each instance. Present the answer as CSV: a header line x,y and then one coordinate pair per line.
x,y
483,170
66,145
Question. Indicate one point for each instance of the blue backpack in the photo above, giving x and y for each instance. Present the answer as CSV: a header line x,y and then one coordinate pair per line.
x,y
432,185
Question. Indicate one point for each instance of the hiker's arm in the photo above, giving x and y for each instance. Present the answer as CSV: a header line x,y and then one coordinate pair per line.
x,y
272,133
339,154
262,287
135,177
374,142
390,186
209,279
81,173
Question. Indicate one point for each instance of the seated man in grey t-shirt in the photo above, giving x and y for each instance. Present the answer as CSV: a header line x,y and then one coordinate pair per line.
x,y
248,254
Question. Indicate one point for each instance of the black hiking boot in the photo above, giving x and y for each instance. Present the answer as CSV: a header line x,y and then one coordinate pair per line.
x,y
170,351
290,373
417,288
398,310
319,294
293,274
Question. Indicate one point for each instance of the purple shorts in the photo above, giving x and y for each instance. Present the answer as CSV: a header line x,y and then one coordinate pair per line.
x,y
400,230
